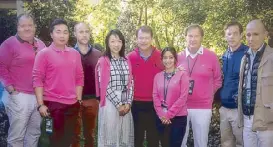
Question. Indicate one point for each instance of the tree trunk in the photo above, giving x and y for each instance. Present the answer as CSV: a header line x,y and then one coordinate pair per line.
x,y
146,17
140,16
19,7
157,43
166,35
173,36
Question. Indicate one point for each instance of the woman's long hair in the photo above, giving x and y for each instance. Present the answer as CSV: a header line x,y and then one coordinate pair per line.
x,y
117,33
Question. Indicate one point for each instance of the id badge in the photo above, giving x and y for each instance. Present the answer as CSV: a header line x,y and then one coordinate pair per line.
x,y
124,96
191,86
49,125
164,107
165,110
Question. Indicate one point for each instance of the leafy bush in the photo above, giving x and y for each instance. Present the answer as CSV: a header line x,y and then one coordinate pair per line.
x,y
7,23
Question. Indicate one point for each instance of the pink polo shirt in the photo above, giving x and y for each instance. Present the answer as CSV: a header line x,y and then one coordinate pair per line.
x,y
205,70
16,63
58,72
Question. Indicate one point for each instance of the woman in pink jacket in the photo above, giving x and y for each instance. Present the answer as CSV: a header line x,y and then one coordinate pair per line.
x,y
115,88
170,96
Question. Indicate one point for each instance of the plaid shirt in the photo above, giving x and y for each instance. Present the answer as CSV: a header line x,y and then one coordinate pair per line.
x,y
119,75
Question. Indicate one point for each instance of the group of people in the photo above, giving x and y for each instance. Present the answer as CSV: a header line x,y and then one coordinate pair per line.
x,y
148,94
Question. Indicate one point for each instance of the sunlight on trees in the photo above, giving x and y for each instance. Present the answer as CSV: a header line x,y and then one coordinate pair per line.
x,y
168,18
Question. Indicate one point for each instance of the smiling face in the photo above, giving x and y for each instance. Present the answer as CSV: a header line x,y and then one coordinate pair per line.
x,y
26,28
194,39
115,45
168,60
144,40
60,35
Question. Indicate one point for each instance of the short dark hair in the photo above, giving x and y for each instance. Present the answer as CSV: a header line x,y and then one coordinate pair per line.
x,y
114,32
234,23
145,29
170,49
55,22
194,26
27,15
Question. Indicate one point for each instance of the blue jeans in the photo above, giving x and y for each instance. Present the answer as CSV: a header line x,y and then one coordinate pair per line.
x,y
172,135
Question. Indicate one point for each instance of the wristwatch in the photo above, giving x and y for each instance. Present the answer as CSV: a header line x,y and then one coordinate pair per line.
x,y
38,108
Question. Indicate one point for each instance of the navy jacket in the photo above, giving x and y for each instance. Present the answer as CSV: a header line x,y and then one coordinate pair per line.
x,y
231,69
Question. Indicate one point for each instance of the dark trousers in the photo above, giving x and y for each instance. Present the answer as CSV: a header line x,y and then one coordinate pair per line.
x,y
64,121
145,120
172,135
88,118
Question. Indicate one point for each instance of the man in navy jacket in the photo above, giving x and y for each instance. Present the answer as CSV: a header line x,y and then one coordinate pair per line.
x,y
231,135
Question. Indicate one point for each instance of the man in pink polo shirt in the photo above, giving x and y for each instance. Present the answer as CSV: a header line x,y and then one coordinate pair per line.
x,y
204,71
17,55
58,82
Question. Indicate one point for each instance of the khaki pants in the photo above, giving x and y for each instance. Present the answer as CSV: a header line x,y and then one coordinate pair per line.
x,y
231,134
256,139
24,120
87,118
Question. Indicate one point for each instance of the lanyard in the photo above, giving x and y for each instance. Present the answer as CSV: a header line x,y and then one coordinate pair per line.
x,y
190,70
166,86
121,72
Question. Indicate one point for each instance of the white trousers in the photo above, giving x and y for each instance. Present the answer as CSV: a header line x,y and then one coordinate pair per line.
x,y
200,121
256,139
24,120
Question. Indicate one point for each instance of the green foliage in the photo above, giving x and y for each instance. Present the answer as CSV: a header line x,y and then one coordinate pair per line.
x,y
46,12
168,18
103,18
7,24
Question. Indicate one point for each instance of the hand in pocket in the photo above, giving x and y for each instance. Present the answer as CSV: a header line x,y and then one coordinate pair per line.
x,y
14,93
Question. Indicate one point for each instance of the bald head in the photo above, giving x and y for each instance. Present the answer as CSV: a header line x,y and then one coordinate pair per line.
x,y
255,34
80,24
82,33
256,23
